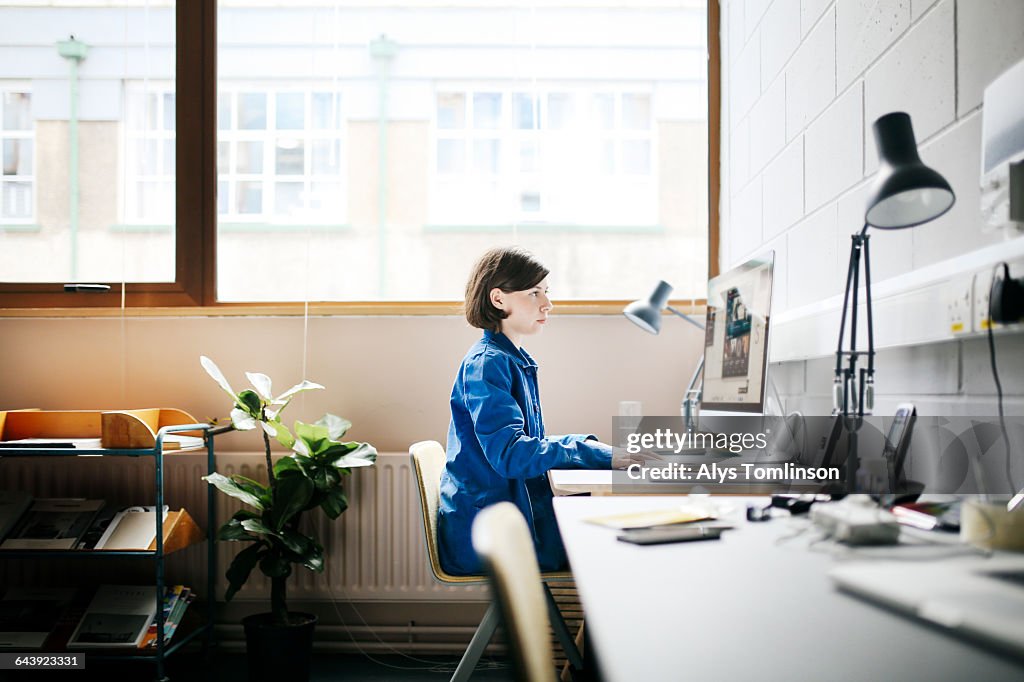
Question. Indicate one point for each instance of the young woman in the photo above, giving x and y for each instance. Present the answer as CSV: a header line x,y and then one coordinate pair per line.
x,y
497,448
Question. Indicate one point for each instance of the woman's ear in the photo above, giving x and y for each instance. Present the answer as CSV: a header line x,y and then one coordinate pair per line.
x,y
497,297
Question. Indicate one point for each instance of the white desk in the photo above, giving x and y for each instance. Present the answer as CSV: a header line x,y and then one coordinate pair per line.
x,y
743,607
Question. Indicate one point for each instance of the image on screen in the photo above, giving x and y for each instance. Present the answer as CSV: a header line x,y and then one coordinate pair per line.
x,y
736,337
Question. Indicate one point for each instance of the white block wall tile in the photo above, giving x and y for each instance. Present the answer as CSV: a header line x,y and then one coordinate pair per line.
x,y
783,189
956,153
820,373
917,76
919,7
746,80
788,376
864,30
733,13
768,125
990,37
753,12
811,76
813,248
933,369
1009,360
739,156
780,36
834,155
745,232
810,12
892,251
780,291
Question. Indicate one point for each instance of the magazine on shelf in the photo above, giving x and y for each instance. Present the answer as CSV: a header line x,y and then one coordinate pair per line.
x,y
53,523
176,599
13,503
117,616
29,614
131,528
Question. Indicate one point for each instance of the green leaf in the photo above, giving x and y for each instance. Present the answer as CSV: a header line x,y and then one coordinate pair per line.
x,y
233,531
297,543
257,526
287,464
275,566
253,487
250,401
317,438
334,503
363,455
291,496
230,487
336,426
214,371
284,436
242,565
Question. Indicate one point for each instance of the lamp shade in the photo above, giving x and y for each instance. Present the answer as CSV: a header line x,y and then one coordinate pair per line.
x,y
905,192
646,312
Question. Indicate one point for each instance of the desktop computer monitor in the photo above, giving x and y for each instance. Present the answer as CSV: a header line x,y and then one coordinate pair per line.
x,y
736,339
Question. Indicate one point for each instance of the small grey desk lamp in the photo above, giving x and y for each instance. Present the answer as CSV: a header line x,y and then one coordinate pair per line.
x,y
646,314
905,193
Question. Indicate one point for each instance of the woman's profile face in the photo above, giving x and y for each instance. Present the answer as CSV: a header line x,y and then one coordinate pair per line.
x,y
527,310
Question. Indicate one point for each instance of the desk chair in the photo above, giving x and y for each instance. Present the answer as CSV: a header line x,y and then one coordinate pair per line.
x,y
502,541
428,459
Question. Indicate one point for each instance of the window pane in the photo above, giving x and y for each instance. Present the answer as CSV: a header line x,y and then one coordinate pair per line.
x,y
249,198
326,157
604,111
252,111
81,164
636,112
290,111
525,108
224,111
636,157
17,111
17,157
290,156
249,158
485,156
288,198
451,156
326,111
559,111
451,111
486,110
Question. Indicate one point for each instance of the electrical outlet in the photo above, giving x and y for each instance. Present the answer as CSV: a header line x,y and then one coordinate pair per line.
x,y
958,297
982,285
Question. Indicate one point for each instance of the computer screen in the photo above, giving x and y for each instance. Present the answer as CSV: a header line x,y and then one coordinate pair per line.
x,y
736,337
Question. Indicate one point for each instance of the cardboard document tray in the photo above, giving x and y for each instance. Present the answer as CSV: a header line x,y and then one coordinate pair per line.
x,y
128,429
180,531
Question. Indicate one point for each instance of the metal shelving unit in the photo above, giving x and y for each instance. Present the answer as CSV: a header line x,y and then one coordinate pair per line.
x,y
162,651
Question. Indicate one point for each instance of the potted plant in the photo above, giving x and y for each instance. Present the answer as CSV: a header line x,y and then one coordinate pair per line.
x,y
310,476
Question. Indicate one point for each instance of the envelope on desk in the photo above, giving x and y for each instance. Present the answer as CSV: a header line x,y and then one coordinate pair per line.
x,y
650,519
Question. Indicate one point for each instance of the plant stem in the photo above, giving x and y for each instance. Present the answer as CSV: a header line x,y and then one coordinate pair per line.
x,y
278,586
270,464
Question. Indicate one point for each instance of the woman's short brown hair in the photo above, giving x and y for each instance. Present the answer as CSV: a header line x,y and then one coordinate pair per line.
x,y
508,268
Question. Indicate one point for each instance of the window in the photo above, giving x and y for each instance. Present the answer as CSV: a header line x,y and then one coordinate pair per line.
x,y
580,157
359,151
279,157
17,138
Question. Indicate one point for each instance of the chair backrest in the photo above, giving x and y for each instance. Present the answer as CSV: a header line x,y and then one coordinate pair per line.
x,y
502,541
428,459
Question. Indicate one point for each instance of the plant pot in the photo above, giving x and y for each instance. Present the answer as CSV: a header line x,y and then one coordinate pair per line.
x,y
279,652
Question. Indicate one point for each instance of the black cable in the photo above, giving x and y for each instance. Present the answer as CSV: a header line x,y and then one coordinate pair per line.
x,y
995,371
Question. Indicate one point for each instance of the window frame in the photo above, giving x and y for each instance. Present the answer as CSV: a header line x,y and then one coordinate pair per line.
x,y
16,87
194,290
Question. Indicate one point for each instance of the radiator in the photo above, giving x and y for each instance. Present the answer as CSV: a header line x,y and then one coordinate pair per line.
x,y
375,552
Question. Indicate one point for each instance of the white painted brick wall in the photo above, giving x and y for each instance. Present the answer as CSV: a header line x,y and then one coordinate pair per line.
x,y
783,182
780,36
853,61
864,30
835,145
811,76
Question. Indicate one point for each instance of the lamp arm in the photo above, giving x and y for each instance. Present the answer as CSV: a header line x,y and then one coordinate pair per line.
x,y
686,317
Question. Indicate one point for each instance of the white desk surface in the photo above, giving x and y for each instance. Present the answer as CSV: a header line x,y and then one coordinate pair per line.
x,y
744,607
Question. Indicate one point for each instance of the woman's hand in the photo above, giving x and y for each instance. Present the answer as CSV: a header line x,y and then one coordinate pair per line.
x,y
623,459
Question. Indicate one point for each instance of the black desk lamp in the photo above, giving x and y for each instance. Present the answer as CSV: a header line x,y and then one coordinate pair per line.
x,y
646,314
905,193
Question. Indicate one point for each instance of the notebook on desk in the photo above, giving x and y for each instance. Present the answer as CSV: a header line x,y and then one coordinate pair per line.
x,y
981,599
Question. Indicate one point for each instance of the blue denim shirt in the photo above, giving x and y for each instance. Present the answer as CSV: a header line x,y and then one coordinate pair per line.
x,y
497,452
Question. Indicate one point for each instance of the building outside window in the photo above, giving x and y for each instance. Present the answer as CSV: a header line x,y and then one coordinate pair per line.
x,y
17,140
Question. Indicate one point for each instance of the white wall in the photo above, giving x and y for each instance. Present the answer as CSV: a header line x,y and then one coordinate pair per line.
x,y
803,81
391,376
